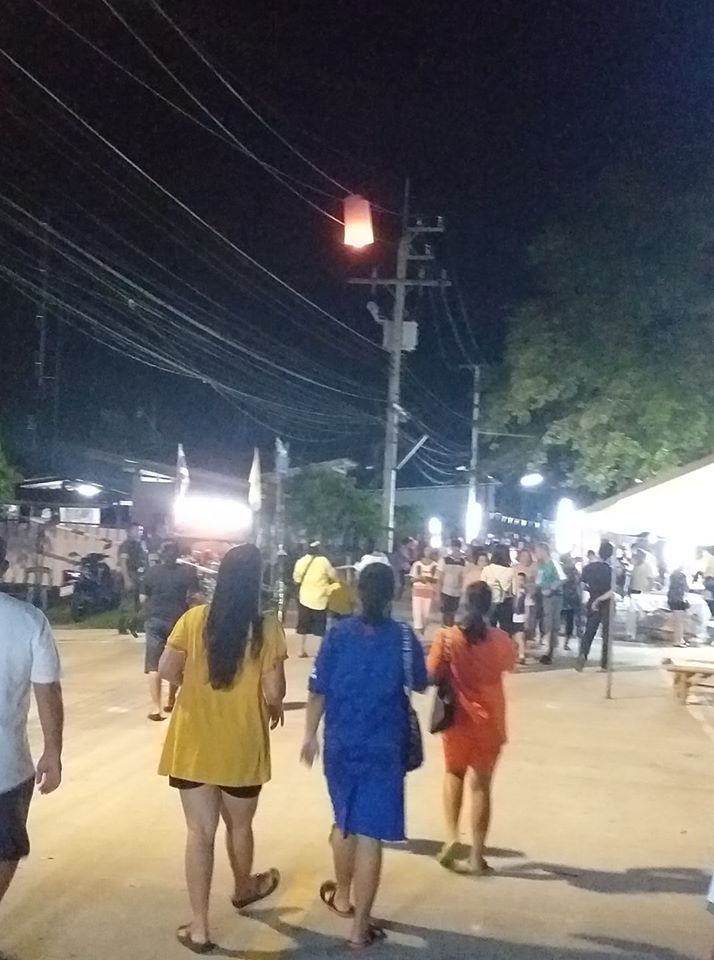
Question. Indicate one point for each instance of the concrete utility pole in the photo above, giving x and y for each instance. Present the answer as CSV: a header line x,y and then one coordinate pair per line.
x,y
475,417
399,336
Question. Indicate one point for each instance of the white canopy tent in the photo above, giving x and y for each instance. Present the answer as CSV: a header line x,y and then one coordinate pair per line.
x,y
677,505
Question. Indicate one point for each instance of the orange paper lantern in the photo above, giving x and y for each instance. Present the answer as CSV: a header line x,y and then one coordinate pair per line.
x,y
358,222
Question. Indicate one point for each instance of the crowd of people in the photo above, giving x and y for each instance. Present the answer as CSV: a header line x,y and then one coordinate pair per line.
x,y
224,662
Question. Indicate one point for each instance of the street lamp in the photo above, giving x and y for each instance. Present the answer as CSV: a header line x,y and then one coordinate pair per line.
x,y
531,480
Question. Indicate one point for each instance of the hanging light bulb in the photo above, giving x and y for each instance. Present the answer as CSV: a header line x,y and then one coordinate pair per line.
x,y
358,222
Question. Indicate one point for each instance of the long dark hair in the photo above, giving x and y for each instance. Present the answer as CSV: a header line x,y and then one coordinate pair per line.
x,y
234,623
501,555
376,591
472,618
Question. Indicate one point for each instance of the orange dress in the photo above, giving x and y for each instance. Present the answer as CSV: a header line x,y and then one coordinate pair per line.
x,y
475,672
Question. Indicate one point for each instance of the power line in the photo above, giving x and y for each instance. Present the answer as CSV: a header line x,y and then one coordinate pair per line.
x,y
166,192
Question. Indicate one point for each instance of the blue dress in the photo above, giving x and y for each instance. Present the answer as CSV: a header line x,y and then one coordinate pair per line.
x,y
359,671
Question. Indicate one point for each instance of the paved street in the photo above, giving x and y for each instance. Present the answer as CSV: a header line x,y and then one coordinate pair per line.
x,y
602,834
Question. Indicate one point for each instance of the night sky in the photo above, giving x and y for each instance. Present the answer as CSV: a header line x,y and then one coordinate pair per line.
x,y
499,112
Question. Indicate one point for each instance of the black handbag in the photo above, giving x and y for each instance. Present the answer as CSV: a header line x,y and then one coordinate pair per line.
x,y
414,747
443,708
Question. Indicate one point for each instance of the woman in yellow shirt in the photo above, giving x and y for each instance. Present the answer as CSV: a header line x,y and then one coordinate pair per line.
x,y
229,661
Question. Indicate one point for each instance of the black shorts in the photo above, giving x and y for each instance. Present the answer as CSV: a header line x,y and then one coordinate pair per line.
x,y
311,622
449,604
14,807
157,633
240,793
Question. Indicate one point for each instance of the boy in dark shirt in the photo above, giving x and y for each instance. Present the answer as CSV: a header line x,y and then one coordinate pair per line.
x,y
597,577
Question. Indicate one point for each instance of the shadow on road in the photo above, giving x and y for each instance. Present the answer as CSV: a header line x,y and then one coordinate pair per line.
x,y
289,705
409,941
636,880
422,847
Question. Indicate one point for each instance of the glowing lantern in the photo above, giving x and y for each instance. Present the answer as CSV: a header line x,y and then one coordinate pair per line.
x,y
358,222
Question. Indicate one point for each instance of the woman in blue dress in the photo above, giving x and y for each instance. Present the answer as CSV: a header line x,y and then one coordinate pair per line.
x,y
358,684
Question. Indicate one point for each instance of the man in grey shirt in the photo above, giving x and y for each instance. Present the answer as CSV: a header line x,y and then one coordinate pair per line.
x,y
451,581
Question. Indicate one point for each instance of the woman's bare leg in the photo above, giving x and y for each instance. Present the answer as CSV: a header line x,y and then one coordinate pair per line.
x,y
679,618
201,807
365,882
343,852
238,817
453,801
480,818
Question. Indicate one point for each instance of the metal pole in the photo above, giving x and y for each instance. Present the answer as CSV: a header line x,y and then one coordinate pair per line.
x,y
475,416
279,558
391,436
611,631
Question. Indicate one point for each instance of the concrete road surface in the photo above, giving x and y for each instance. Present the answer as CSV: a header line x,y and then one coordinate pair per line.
x,y
602,834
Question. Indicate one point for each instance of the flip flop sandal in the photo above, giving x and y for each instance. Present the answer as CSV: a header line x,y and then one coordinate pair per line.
x,y
327,894
447,855
273,878
183,935
374,936
156,717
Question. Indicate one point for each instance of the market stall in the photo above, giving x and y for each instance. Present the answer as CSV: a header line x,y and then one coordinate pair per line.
x,y
675,511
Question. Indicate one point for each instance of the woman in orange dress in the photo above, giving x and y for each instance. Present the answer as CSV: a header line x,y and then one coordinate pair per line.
x,y
472,658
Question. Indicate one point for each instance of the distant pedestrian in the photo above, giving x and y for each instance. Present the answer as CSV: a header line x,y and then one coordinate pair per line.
x,y
643,573
526,565
371,555
451,582
229,662
28,662
358,684
520,616
166,592
475,565
472,658
424,575
500,578
549,584
678,604
572,600
314,575
133,561
597,579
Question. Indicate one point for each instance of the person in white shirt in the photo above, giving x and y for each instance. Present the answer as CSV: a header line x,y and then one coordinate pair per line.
x,y
28,660
372,555
643,574
500,577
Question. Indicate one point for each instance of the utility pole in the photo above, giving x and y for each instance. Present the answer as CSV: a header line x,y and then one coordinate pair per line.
x,y
475,417
41,315
279,558
399,335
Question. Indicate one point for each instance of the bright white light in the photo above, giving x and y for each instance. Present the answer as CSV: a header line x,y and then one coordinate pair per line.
x,y
532,480
652,539
679,553
211,516
87,489
566,525
435,528
474,517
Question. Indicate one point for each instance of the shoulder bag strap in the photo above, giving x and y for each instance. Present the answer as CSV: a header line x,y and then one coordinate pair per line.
x,y
312,559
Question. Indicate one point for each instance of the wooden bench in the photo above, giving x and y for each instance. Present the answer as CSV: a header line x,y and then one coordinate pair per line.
x,y
694,673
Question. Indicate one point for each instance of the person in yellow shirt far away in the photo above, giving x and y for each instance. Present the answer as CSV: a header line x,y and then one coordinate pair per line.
x,y
228,660
315,576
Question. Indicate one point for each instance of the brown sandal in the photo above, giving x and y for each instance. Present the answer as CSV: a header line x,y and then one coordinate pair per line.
x,y
327,894
375,935
273,879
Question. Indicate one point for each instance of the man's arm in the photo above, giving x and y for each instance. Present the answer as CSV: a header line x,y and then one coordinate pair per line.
x,y
51,710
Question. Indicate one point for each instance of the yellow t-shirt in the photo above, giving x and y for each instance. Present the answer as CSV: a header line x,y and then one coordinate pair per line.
x,y
220,737
315,576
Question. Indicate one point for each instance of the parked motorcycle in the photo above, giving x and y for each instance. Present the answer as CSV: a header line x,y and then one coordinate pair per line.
x,y
95,587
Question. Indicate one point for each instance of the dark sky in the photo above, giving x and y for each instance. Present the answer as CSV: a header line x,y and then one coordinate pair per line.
x,y
498,110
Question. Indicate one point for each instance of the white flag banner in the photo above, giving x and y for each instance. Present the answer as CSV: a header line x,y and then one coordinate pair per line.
x,y
255,483
183,480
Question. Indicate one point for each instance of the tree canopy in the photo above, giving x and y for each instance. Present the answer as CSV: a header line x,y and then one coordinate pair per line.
x,y
329,506
609,360
8,478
